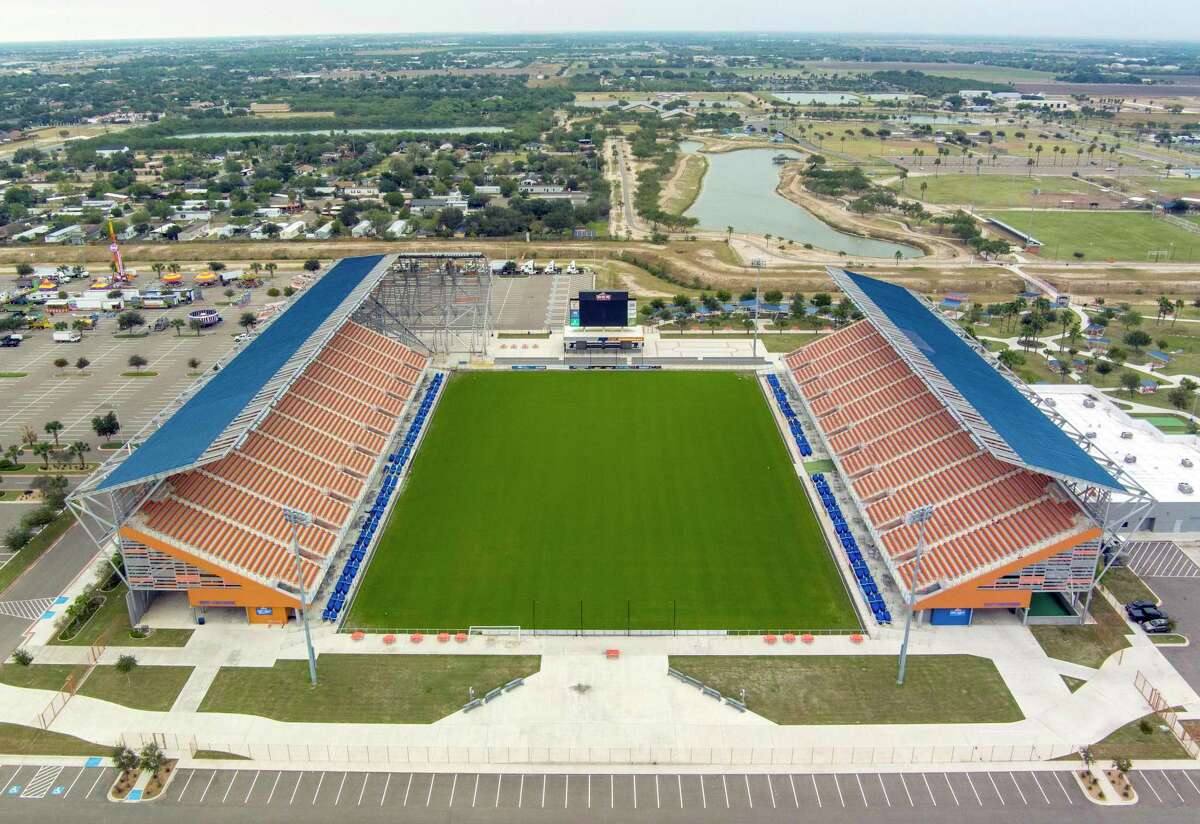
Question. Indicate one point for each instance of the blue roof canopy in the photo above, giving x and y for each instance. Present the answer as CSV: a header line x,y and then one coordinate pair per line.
x,y
185,436
1034,437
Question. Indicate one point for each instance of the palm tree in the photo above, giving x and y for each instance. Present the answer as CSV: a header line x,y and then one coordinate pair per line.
x,y
177,324
158,268
79,449
255,267
13,454
173,268
271,267
42,450
52,429
924,187
728,233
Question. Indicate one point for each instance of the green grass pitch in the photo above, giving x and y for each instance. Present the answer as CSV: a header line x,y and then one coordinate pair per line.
x,y
663,499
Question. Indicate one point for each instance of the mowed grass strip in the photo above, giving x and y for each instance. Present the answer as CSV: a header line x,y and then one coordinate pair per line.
x,y
16,739
860,689
1089,645
152,688
363,689
1102,235
568,499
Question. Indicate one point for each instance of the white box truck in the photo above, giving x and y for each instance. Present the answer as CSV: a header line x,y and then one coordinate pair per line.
x,y
67,336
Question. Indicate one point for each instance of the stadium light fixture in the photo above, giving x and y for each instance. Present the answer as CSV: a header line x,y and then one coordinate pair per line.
x,y
918,517
757,263
298,518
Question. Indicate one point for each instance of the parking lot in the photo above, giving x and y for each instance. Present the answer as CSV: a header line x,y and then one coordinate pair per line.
x,y
950,795
48,393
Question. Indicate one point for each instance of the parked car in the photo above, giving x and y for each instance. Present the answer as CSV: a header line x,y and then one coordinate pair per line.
x,y
1139,611
1156,626
10,340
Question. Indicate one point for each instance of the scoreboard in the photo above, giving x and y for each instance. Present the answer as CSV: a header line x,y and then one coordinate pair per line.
x,y
609,309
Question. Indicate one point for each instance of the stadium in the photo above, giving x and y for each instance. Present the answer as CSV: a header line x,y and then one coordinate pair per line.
x,y
348,461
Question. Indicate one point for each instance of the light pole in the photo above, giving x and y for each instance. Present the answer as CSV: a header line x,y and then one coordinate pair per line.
x,y
919,516
297,519
757,263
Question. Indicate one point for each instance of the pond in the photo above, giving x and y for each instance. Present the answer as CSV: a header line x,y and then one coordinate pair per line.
x,y
739,191
283,132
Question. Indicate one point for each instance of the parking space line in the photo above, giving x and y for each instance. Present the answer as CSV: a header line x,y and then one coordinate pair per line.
x,y
928,789
566,790
387,783
499,781
1066,794
474,795
1172,786
1039,786
950,787
589,791
363,790
338,798
429,795
409,787
881,786
274,786
252,783
186,784
299,779
795,797
12,778
1146,779
906,792
978,800
861,790
725,784
320,781
453,787
95,783
992,778
76,780
634,791
815,790
521,792
749,798
679,780
703,794
657,794
1190,781
208,786
225,797
612,792
838,784
1020,792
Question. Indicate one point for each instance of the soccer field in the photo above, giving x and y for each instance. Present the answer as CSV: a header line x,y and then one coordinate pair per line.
x,y
1103,235
557,500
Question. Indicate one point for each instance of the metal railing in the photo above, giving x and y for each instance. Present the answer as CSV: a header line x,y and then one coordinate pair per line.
x,y
1159,704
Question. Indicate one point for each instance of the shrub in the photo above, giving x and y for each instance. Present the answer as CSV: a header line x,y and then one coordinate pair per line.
x,y
23,657
1146,727
38,517
273,292
17,537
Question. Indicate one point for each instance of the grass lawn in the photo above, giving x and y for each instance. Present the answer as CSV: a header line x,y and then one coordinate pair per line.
x,y
860,689
687,185
1170,424
1130,742
110,625
1170,639
1086,644
34,549
13,374
217,755
538,496
1102,235
989,191
145,688
1126,586
19,740
38,676
1073,684
371,689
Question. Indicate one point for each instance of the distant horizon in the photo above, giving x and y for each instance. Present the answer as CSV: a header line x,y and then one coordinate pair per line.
x,y
73,21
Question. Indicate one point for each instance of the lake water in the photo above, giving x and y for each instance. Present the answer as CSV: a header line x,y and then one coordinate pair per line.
x,y
817,98
278,132
739,191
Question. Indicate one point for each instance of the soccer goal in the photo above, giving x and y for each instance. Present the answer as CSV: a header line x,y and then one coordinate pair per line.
x,y
478,630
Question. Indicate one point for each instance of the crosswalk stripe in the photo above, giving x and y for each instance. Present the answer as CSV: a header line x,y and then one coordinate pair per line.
x,y
41,782
31,609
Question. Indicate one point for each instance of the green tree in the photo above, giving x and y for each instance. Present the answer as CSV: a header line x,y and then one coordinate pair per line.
x,y
61,363
196,326
53,428
127,321
312,265
247,320
193,364
177,324
125,665
1129,382
107,425
79,449
125,759
137,362
42,450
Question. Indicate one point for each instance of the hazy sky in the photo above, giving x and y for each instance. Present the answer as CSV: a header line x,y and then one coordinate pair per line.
x,y
24,20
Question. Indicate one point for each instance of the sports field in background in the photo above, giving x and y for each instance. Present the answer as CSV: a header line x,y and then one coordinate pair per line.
x,y
1103,235
665,499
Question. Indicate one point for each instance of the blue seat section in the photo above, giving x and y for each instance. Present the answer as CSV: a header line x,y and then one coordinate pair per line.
x,y
392,470
858,565
789,414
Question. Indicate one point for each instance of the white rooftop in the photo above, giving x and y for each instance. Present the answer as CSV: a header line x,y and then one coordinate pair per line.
x,y
1159,464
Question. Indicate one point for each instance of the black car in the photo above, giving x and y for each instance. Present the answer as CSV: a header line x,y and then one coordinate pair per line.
x,y
1145,614
1136,606
10,340
1156,626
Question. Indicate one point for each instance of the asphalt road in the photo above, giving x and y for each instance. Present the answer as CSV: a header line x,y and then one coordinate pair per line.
x,y
51,793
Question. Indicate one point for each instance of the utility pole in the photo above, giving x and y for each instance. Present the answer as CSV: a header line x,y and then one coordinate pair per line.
x,y
297,519
919,516
757,263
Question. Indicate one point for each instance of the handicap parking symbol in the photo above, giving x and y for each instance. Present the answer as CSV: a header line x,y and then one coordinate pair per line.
x,y
58,790
14,790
